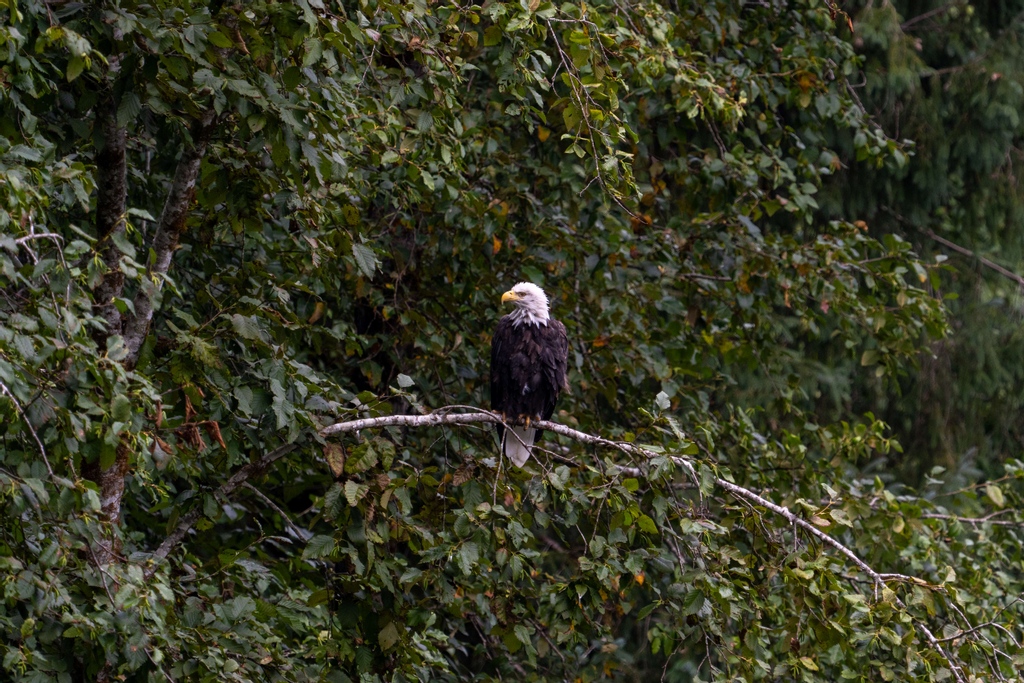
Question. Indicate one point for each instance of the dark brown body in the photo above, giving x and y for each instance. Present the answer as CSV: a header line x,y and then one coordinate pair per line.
x,y
528,369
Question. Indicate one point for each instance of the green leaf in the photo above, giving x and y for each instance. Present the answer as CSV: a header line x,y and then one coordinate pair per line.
x,y
121,408
246,326
492,36
25,152
123,243
647,524
220,40
385,450
467,557
108,456
75,66
693,602
129,108
116,350
245,89
365,258
361,458
354,492
319,546
663,401
318,598
572,117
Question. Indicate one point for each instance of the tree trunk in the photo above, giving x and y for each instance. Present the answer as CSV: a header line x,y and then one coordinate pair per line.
x,y
111,198
111,210
168,233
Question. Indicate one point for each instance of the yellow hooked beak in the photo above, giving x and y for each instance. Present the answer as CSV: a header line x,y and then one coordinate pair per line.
x,y
509,296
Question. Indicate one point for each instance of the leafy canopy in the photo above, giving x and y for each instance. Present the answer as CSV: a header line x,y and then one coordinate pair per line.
x,y
228,226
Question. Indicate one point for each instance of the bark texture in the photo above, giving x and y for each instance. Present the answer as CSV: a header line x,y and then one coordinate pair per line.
x,y
111,482
111,210
168,234
111,199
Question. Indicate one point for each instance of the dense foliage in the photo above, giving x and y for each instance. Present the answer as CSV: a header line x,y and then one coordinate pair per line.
x,y
948,77
225,227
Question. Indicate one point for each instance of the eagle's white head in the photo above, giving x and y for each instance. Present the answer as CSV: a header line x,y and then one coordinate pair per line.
x,y
531,304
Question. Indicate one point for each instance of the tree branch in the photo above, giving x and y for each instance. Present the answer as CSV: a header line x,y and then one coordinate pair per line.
x,y
444,417
28,424
430,419
984,261
111,208
168,233
987,519
236,480
111,198
734,489
927,15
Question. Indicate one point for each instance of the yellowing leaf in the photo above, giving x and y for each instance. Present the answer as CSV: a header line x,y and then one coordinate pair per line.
x,y
334,454
318,312
388,636
809,663
995,494
543,133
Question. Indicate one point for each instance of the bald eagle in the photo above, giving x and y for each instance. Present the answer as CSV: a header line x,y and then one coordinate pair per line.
x,y
529,355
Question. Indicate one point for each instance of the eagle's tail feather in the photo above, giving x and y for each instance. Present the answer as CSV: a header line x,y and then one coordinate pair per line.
x,y
517,445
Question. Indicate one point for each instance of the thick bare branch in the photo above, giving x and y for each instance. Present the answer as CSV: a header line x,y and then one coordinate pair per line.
x,y
111,208
110,222
111,483
431,419
168,233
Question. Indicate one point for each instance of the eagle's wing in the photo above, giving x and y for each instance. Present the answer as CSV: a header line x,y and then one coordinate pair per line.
x,y
499,365
555,361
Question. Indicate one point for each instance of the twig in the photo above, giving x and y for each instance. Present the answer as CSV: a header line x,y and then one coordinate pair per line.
x,y
981,259
237,479
987,519
39,236
273,506
31,429
927,15
987,624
